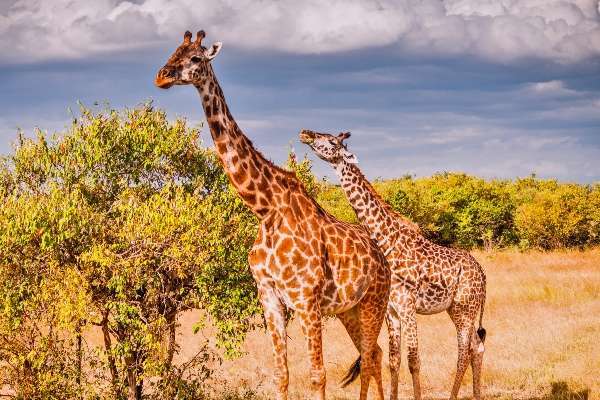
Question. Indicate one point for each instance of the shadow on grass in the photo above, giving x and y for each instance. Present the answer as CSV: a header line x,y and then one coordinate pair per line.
x,y
558,391
561,391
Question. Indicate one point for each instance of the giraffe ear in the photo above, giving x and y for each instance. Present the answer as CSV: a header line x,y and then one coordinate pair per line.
x,y
343,136
349,157
213,51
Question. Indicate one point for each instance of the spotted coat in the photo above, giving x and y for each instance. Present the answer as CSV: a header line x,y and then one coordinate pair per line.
x,y
303,259
426,278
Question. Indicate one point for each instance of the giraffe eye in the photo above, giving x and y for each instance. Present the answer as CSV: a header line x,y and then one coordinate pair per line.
x,y
196,59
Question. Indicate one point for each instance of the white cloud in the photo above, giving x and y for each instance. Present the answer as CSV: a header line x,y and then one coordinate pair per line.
x,y
453,135
586,109
500,30
550,88
427,141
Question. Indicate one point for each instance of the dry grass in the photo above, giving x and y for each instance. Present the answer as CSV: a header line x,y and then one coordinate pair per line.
x,y
542,318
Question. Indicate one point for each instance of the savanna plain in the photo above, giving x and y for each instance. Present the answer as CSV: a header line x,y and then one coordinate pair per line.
x,y
542,318
105,244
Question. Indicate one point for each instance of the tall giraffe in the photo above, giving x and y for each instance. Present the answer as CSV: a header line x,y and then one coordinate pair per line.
x,y
426,278
303,258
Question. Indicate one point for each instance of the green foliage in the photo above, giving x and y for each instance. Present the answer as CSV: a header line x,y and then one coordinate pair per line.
x,y
122,222
330,197
557,217
461,210
454,208
42,293
303,171
238,394
333,199
594,214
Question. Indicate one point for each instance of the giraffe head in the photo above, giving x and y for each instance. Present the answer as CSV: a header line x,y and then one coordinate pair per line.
x,y
189,63
328,147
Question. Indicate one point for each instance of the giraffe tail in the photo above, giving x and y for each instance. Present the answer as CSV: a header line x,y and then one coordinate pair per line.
x,y
352,374
481,330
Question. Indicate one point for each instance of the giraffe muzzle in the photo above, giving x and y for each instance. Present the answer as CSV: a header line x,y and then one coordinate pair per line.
x,y
165,78
306,137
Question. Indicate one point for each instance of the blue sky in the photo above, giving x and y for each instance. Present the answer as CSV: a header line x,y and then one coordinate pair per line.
x,y
496,88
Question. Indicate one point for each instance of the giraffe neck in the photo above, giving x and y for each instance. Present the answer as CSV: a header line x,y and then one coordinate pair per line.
x,y
254,177
371,210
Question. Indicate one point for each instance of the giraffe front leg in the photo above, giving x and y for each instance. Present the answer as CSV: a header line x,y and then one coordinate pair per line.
x,y
275,318
310,320
409,322
395,339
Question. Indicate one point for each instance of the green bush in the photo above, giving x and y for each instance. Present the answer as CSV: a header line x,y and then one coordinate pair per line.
x,y
594,216
333,199
456,209
122,222
554,218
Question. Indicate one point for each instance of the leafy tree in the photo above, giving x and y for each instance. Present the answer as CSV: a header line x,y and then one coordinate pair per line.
x,y
303,171
42,301
333,199
123,222
330,197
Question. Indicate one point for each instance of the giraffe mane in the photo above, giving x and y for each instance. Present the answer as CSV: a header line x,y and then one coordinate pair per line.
x,y
407,222
285,172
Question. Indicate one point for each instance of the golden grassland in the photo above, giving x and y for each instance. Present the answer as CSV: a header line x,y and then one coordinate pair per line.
x,y
543,322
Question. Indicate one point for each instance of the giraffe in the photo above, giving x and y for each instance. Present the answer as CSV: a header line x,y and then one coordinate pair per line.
x,y
303,259
426,278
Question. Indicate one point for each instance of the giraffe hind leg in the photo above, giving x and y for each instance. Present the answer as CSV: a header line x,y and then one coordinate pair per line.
x,y
477,350
476,362
350,320
464,320
464,311
372,314
363,324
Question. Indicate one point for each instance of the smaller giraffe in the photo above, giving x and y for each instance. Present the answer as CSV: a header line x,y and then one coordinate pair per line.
x,y
426,278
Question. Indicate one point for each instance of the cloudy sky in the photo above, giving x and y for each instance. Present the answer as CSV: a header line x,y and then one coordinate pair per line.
x,y
497,88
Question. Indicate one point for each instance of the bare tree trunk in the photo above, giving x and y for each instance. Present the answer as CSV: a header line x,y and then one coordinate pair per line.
x,y
131,383
79,355
171,345
114,374
138,391
134,388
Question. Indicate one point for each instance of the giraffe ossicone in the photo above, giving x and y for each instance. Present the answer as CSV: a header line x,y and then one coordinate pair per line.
x,y
426,278
303,258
